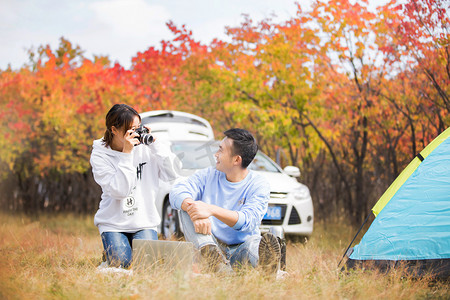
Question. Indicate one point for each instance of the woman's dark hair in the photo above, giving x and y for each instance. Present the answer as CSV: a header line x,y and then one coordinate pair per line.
x,y
119,116
244,145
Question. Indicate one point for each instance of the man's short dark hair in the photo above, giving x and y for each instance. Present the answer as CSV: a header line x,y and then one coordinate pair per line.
x,y
244,145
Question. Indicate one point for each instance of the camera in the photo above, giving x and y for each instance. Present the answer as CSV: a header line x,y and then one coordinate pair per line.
x,y
144,136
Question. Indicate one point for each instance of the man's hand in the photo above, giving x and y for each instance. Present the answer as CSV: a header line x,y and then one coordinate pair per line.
x,y
186,203
202,226
198,210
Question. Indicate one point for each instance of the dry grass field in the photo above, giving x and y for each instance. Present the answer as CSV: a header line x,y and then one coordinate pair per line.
x,y
56,257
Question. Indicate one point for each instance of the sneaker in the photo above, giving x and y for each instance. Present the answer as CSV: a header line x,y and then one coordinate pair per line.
x,y
215,260
281,275
114,270
103,265
269,253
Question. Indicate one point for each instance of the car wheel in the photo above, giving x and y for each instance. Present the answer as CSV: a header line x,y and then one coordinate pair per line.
x,y
170,226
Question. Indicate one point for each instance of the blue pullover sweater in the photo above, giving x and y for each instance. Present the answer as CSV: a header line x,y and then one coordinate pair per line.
x,y
248,198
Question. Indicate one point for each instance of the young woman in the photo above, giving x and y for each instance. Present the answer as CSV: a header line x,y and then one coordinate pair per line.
x,y
128,173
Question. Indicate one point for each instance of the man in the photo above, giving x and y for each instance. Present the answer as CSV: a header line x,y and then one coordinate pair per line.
x,y
221,208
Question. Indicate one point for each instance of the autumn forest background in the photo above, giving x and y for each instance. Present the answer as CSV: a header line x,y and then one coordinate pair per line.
x,y
347,94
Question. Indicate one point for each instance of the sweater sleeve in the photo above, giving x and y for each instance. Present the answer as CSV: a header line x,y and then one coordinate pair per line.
x,y
169,165
192,187
115,180
255,207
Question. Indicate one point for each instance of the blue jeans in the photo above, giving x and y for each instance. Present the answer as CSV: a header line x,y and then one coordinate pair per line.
x,y
239,254
117,245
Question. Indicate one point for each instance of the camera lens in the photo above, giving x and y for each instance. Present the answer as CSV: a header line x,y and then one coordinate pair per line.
x,y
146,138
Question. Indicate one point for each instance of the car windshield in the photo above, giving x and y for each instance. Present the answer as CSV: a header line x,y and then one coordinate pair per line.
x,y
196,155
263,163
199,155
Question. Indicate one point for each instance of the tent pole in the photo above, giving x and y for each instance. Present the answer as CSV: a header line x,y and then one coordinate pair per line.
x,y
360,228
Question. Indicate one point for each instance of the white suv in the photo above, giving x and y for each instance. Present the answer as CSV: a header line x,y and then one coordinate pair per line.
x,y
177,125
192,140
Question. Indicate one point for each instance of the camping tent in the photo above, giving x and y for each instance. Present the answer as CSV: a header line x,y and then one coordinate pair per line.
x,y
412,218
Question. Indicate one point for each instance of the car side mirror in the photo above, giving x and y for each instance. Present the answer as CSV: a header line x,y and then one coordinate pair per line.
x,y
292,171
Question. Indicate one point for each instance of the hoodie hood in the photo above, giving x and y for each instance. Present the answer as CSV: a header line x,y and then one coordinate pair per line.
x,y
99,147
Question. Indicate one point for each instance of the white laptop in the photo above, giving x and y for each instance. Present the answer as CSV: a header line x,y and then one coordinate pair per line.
x,y
170,255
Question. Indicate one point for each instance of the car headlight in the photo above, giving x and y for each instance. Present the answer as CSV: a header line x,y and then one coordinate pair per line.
x,y
301,193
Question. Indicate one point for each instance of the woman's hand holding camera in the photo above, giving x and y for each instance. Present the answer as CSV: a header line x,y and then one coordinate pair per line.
x,y
131,140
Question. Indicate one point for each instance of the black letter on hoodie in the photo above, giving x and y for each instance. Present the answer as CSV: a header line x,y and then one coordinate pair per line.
x,y
139,171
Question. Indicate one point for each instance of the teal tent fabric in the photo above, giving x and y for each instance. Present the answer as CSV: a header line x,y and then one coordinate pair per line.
x,y
415,224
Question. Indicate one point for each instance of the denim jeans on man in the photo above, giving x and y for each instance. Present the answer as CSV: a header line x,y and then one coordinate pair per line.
x,y
240,254
117,245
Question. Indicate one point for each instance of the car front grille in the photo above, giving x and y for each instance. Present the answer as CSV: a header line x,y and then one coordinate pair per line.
x,y
278,195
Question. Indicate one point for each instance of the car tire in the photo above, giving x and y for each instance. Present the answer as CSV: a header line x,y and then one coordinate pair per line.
x,y
170,224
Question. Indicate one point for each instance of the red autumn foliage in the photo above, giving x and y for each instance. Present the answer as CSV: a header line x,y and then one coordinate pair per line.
x,y
348,94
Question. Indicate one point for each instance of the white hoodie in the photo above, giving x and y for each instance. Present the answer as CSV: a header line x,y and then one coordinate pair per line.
x,y
130,183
